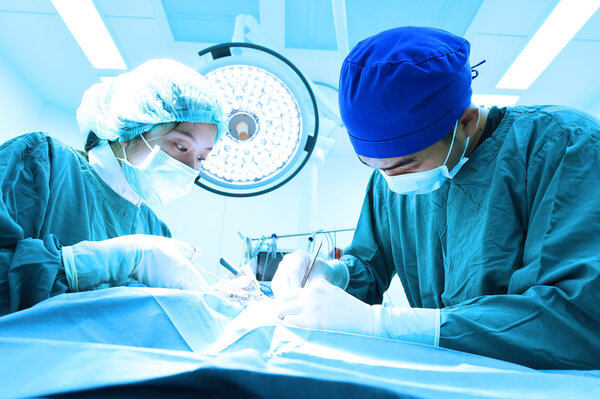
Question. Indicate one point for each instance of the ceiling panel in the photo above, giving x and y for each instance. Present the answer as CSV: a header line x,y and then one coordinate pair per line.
x,y
572,79
500,31
206,21
512,17
126,9
142,40
498,52
41,48
30,6
591,30
366,18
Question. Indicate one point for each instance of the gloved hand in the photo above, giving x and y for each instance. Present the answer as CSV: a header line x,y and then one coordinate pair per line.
x,y
241,284
324,306
321,305
151,260
293,267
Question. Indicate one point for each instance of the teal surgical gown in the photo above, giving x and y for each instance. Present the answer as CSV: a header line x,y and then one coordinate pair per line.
x,y
51,196
509,249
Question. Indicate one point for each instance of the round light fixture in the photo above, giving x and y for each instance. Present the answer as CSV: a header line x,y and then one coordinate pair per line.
x,y
272,120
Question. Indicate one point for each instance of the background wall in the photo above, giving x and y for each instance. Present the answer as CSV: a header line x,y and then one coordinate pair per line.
x,y
22,110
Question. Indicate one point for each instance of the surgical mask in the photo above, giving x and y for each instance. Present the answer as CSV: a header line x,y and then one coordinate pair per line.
x,y
159,179
430,180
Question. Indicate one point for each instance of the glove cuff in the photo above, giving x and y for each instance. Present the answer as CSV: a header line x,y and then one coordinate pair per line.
x,y
338,272
70,269
94,264
418,325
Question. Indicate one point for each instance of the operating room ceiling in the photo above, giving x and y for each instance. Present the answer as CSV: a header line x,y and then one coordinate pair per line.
x,y
314,34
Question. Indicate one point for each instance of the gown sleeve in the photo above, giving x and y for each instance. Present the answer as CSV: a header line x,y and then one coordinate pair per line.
x,y
29,267
549,318
368,257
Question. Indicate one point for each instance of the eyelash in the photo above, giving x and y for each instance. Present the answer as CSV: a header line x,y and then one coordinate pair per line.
x,y
400,168
184,149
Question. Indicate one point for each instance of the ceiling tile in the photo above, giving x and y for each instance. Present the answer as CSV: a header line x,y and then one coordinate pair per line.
x,y
206,21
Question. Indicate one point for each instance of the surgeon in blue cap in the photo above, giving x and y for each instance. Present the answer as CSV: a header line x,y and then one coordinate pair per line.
x,y
490,217
72,221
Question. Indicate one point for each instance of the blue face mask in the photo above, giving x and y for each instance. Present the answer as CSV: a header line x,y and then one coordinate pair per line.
x,y
430,180
159,179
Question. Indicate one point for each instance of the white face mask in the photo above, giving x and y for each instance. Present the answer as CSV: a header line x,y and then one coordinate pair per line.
x,y
159,179
430,180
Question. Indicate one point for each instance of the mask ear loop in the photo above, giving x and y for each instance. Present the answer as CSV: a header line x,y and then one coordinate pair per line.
x,y
451,144
454,135
124,159
125,152
476,126
144,139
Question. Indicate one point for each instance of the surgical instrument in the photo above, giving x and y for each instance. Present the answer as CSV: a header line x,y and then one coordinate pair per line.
x,y
312,265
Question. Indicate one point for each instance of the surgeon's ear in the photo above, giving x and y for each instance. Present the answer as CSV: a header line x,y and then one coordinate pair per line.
x,y
469,120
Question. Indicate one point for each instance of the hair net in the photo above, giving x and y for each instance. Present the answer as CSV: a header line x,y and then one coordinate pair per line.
x,y
403,89
158,91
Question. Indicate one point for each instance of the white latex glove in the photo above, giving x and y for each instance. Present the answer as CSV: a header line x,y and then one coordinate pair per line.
x,y
324,306
293,267
151,260
244,282
321,305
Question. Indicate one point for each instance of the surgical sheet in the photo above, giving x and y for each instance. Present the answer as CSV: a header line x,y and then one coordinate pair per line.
x,y
136,341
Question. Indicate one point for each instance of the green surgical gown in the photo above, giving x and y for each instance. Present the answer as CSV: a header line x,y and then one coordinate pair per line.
x,y
51,196
509,249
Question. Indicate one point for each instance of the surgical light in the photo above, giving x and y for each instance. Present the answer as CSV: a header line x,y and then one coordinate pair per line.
x,y
271,115
84,22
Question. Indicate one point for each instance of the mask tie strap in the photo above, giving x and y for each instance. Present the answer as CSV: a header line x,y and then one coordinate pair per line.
x,y
475,72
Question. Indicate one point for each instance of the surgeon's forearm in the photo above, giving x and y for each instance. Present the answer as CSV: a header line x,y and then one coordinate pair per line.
x,y
542,330
408,324
89,264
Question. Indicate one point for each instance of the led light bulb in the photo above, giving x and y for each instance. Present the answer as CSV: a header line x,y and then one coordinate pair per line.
x,y
242,130
251,95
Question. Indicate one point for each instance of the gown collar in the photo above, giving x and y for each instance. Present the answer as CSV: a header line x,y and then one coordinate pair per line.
x,y
104,162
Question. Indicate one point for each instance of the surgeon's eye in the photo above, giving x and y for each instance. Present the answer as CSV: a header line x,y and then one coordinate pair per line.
x,y
200,159
181,148
400,170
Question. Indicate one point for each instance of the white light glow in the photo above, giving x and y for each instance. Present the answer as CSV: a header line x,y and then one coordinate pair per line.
x,y
243,88
489,100
84,22
559,28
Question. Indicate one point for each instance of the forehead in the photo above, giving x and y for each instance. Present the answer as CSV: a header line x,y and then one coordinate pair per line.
x,y
197,128
197,132
431,152
387,163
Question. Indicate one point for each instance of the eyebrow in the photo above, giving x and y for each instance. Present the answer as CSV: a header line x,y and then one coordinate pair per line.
x,y
398,164
191,136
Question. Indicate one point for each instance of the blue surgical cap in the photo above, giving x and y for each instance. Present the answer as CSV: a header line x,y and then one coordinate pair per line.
x,y
403,89
156,92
